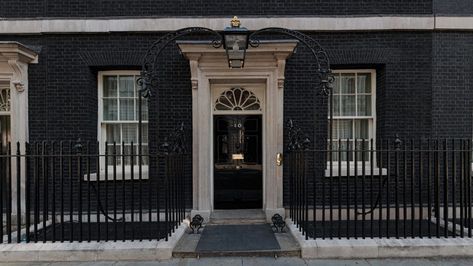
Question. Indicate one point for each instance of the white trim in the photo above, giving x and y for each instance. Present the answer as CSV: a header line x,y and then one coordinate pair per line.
x,y
101,135
359,170
259,89
454,23
372,132
334,23
264,65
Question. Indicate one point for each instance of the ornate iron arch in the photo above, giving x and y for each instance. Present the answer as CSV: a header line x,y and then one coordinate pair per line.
x,y
148,79
320,56
323,70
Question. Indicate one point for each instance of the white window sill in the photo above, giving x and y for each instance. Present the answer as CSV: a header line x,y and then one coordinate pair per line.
x,y
120,175
359,171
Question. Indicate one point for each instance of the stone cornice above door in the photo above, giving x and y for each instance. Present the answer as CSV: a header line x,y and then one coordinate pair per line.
x,y
265,55
16,56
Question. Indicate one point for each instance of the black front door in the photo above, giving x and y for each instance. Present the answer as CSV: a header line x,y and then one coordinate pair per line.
x,y
238,167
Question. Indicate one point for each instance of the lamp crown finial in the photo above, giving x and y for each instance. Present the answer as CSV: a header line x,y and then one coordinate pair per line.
x,y
235,22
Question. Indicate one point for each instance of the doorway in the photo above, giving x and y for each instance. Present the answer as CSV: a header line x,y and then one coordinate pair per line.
x,y
238,162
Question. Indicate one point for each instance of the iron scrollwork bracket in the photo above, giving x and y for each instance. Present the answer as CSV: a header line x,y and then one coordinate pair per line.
x,y
149,68
175,143
196,223
320,55
298,141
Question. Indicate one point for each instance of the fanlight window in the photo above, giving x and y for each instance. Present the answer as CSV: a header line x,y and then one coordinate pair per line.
x,y
237,99
5,99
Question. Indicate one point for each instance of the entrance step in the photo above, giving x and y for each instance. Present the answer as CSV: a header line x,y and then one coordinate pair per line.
x,y
246,216
237,240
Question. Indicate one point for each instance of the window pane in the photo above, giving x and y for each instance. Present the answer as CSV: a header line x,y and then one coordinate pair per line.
x,y
144,133
144,109
145,151
114,154
348,83
347,151
113,133
5,131
345,129
336,103
336,84
348,105
364,105
334,130
364,83
110,109
127,86
109,86
129,133
333,152
127,109
362,147
362,129
127,151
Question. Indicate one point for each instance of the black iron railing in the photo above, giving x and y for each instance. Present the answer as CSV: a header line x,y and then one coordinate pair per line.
x,y
71,191
382,189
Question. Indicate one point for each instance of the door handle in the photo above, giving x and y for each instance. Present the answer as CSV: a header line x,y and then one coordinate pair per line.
x,y
279,159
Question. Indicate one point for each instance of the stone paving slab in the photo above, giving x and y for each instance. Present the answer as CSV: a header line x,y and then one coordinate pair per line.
x,y
239,261
378,248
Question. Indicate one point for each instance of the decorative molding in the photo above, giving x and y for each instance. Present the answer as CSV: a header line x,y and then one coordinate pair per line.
x,y
332,23
210,76
237,99
19,86
281,83
281,71
195,84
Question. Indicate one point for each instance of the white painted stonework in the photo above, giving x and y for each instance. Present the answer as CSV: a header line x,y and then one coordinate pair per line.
x,y
381,247
264,73
14,60
308,23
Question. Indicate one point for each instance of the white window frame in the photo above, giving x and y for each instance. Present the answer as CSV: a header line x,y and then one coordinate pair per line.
x,y
102,135
371,131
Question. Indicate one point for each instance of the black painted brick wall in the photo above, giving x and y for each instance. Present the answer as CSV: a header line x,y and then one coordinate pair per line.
x,y
104,8
452,90
453,7
403,97
413,99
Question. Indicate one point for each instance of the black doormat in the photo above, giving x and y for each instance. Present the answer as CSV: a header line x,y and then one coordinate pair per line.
x,y
237,238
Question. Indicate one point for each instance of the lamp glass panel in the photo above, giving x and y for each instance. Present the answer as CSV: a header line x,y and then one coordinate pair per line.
x,y
236,46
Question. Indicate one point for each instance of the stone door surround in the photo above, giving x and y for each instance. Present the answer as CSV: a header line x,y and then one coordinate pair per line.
x,y
264,67
14,60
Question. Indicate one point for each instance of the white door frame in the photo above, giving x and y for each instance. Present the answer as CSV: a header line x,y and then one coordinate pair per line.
x,y
259,88
263,65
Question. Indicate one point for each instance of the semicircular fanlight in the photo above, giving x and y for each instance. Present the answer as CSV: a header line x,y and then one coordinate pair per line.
x,y
237,99
5,99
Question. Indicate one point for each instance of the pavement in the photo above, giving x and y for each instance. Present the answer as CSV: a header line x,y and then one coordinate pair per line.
x,y
253,261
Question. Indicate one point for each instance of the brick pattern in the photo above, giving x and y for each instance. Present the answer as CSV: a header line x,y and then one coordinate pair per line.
x,y
452,85
417,95
105,8
453,7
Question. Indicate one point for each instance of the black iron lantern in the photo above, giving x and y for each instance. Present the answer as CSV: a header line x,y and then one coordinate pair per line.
x,y
235,43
